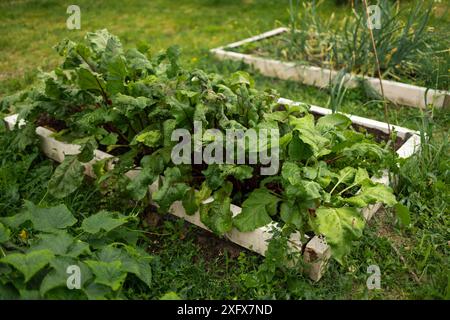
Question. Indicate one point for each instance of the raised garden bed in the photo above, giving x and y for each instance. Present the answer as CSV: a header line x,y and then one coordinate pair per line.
x,y
315,252
397,92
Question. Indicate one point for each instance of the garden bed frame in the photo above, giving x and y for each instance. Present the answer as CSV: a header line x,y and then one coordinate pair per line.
x,y
316,252
397,92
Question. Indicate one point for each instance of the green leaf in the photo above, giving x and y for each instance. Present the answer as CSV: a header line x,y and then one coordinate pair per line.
x,y
49,219
102,40
171,190
133,260
103,220
138,187
240,172
57,277
290,214
110,274
170,296
291,172
87,80
370,194
67,177
30,263
364,150
403,214
256,210
190,202
16,220
310,135
109,139
340,226
78,248
217,214
87,149
331,121
128,105
304,189
4,233
150,138
116,74
152,167
95,291
298,150
241,77
57,243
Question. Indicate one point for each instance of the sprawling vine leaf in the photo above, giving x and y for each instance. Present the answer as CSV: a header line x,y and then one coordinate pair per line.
x,y
48,219
57,277
133,261
103,220
29,263
110,274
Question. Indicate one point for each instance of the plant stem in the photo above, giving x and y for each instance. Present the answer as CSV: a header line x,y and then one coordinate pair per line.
x,y
378,67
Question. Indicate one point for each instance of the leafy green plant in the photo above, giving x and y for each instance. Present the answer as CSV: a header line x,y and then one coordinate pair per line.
x,y
128,103
39,244
408,49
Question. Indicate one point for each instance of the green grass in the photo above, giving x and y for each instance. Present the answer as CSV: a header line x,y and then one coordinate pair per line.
x,y
29,29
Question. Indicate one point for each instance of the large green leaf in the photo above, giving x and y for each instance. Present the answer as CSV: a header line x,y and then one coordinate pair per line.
x,y
30,263
66,178
49,219
256,210
290,213
138,187
310,135
298,150
103,220
371,194
116,74
133,260
340,226
57,277
88,80
110,274
58,243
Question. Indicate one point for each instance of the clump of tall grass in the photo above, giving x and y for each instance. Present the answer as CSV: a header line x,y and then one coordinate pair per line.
x,y
407,48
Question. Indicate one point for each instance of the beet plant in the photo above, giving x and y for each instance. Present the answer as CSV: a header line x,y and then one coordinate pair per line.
x,y
128,103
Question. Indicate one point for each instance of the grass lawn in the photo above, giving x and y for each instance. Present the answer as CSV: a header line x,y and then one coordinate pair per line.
x,y
414,261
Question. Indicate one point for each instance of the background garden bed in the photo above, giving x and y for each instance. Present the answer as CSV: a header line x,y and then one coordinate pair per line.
x,y
397,92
